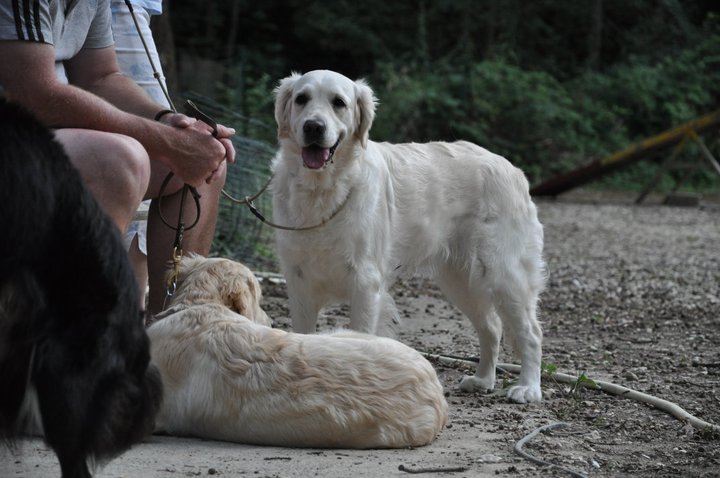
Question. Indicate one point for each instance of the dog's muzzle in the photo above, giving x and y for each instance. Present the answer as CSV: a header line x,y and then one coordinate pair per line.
x,y
315,156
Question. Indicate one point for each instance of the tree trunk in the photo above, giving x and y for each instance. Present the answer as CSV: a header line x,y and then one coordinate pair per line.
x,y
595,35
165,42
491,21
231,44
423,48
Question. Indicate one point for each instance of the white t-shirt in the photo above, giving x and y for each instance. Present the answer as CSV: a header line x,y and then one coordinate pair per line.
x,y
153,7
69,25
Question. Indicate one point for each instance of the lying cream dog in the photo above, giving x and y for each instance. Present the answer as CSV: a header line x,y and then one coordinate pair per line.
x,y
231,377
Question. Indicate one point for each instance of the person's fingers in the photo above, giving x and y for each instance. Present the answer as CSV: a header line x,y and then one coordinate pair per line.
x,y
201,126
224,131
218,173
229,149
179,120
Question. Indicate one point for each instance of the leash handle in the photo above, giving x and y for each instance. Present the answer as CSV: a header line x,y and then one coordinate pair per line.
x,y
192,110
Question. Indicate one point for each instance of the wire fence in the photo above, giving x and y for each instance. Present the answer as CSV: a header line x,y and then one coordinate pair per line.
x,y
239,235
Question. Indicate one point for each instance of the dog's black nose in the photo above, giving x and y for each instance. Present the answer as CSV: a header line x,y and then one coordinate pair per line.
x,y
314,130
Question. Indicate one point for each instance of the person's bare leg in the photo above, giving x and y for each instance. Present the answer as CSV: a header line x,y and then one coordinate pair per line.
x,y
139,264
115,168
161,238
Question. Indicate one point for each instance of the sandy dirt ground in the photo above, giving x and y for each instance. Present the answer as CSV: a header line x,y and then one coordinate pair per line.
x,y
633,298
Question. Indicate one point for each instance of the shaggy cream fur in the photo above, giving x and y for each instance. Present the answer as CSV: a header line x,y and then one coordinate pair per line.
x,y
454,211
228,377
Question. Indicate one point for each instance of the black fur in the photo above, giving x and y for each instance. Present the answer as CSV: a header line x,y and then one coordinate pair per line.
x,y
70,320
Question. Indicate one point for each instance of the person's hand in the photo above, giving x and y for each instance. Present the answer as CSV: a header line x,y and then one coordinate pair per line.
x,y
191,152
181,121
223,135
177,120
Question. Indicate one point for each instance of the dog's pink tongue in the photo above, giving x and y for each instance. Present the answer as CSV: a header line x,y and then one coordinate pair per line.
x,y
315,157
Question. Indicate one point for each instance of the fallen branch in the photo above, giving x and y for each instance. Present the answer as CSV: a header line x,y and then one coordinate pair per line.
x,y
431,470
519,445
608,387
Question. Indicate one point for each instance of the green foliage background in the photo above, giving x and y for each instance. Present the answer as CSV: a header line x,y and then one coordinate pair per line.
x,y
548,84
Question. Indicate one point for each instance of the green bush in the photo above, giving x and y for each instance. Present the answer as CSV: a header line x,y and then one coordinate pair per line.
x,y
541,123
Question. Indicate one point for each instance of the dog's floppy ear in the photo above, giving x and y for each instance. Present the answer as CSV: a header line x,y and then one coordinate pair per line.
x,y
237,297
283,101
243,295
364,111
238,289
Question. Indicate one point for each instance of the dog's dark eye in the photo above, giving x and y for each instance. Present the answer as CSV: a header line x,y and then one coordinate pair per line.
x,y
338,103
301,99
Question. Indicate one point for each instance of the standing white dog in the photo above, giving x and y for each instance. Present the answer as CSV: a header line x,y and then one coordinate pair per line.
x,y
451,210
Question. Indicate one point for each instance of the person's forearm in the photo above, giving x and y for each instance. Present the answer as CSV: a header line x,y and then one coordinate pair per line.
x,y
189,150
97,71
125,94
66,106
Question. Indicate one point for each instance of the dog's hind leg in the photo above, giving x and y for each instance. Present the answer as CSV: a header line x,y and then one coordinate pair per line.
x,y
75,468
520,319
64,420
474,301
515,300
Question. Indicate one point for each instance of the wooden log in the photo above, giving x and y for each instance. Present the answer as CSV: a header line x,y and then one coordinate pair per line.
x,y
600,167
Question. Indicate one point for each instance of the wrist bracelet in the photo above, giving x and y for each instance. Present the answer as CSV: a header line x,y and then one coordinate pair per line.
x,y
162,113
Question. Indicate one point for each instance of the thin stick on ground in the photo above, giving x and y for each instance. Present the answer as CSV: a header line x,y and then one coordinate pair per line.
x,y
415,471
612,388
519,449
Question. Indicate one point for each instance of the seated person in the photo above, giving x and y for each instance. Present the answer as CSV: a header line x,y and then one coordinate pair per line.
x,y
59,62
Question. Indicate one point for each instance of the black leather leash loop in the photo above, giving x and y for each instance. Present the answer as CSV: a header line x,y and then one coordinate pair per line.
x,y
196,197
194,111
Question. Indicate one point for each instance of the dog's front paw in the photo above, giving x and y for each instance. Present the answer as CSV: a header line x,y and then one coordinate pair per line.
x,y
524,393
473,383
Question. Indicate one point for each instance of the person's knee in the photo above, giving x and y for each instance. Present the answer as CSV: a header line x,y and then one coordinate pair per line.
x,y
215,188
223,177
221,180
132,166
114,167
210,193
108,163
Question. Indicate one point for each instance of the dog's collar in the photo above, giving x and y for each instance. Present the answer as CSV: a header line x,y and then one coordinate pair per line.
x,y
169,311
249,202
257,214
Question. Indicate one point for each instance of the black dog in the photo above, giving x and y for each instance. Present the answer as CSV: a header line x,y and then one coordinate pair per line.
x,y
72,339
